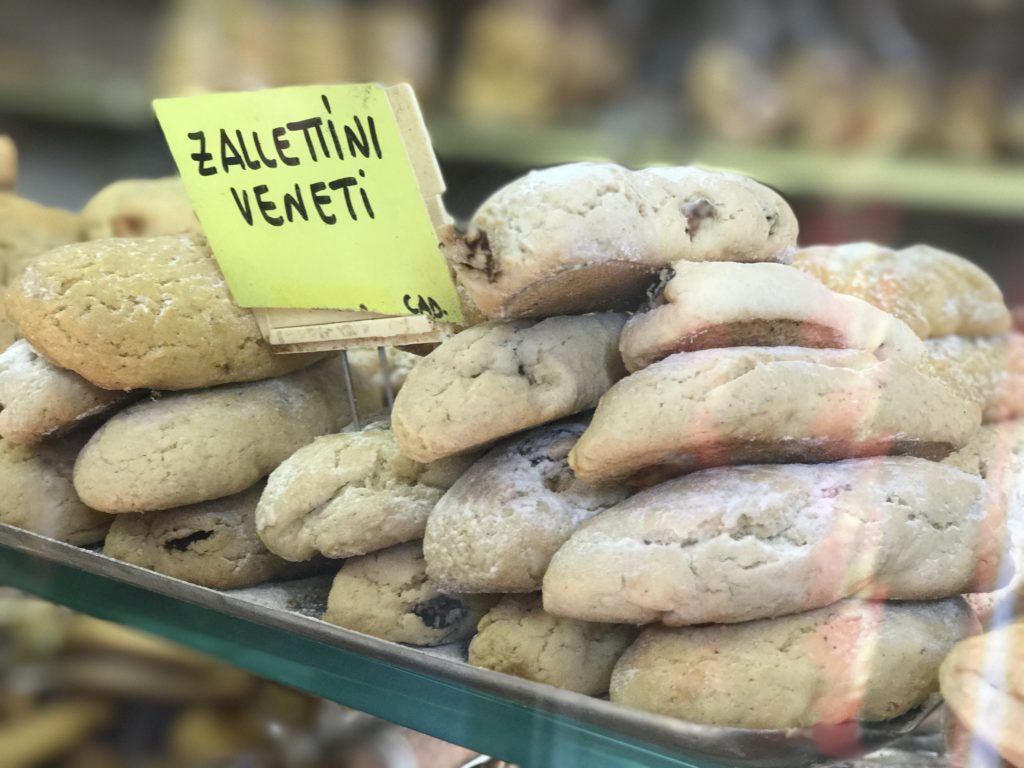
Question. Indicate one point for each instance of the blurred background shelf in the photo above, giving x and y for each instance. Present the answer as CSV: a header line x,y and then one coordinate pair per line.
x,y
926,182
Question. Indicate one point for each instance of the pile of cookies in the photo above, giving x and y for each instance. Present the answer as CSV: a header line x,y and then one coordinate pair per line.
x,y
771,460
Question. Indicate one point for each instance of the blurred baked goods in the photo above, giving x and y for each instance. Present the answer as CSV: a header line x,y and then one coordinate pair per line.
x,y
139,208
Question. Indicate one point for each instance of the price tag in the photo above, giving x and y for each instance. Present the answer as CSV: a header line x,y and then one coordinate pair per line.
x,y
318,197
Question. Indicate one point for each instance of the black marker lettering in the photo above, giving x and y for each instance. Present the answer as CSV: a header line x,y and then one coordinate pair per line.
x,y
373,136
281,144
366,198
344,184
267,162
319,200
202,156
360,142
228,153
243,205
407,301
266,206
304,126
296,204
252,165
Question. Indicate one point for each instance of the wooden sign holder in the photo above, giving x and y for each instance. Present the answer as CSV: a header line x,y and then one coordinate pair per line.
x,y
317,330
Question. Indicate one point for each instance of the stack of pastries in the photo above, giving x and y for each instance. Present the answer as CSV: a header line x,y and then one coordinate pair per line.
x,y
682,462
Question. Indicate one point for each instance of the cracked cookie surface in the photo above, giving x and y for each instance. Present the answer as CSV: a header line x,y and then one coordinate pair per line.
x,y
753,405
142,313
38,400
519,638
734,544
855,660
349,494
591,237
387,594
187,447
497,527
495,379
213,544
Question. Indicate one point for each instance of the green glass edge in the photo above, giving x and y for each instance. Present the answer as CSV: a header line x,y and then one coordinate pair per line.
x,y
448,711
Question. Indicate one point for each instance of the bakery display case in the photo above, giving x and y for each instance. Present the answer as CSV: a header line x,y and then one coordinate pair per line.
x,y
709,455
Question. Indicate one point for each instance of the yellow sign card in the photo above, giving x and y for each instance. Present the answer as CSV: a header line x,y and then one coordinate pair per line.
x,y
309,199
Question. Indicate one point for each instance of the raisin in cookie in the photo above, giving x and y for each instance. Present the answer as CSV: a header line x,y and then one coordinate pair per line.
x,y
213,544
499,525
739,543
752,405
387,594
519,638
496,379
591,237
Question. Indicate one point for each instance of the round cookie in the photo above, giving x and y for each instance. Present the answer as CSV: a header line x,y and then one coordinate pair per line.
x,y
518,638
212,544
38,494
39,400
591,237
139,208
8,163
982,682
387,594
495,379
934,292
753,405
852,660
740,543
188,447
147,313
986,370
497,527
709,305
349,494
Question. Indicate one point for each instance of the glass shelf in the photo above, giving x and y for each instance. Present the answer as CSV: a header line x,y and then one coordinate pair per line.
x,y
263,630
